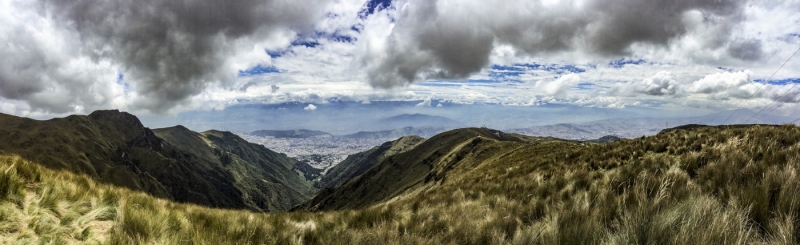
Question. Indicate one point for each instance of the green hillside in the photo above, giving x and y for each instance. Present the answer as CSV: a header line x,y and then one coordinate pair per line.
x,y
114,147
266,179
356,164
689,185
426,165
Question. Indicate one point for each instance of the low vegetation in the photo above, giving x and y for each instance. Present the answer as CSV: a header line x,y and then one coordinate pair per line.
x,y
692,185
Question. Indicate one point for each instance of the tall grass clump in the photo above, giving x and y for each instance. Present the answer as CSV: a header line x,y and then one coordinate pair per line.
x,y
43,206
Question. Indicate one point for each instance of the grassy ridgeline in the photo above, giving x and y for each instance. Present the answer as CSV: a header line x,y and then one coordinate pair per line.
x,y
706,185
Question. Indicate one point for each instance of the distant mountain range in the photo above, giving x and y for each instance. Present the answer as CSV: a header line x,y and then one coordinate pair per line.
x,y
212,168
637,127
394,127
424,132
418,120
397,133
297,133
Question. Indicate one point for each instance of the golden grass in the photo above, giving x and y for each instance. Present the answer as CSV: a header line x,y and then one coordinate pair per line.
x,y
699,186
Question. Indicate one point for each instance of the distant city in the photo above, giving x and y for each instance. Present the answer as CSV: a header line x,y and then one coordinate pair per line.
x,y
318,151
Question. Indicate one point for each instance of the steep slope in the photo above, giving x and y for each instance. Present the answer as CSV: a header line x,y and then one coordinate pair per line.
x,y
356,164
427,164
266,179
114,147
106,145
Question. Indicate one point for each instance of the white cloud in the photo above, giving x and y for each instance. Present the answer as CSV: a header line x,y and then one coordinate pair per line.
x,y
425,103
558,86
660,84
310,107
725,85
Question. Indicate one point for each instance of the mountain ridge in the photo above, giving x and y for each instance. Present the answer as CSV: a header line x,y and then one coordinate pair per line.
x,y
428,163
424,132
356,164
114,147
418,120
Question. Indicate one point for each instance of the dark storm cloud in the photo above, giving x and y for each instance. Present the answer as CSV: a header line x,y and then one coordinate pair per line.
x,y
747,50
454,39
622,23
169,49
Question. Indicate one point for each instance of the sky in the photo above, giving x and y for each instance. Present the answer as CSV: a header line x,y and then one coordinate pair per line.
x,y
168,60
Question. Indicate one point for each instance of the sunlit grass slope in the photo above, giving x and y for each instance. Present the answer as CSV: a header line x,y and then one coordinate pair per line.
x,y
696,185
357,164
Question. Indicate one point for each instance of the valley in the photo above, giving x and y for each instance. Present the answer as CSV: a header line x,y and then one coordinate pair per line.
x,y
323,150
320,151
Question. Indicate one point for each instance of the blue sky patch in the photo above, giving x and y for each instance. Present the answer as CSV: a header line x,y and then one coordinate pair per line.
x,y
482,81
585,86
504,75
308,43
259,69
373,6
121,81
336,36
779,81
276,54
556,68
313,42
357,28
512,72
507,68
624,61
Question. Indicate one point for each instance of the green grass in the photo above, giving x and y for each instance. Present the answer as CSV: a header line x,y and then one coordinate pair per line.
x,y
711,185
